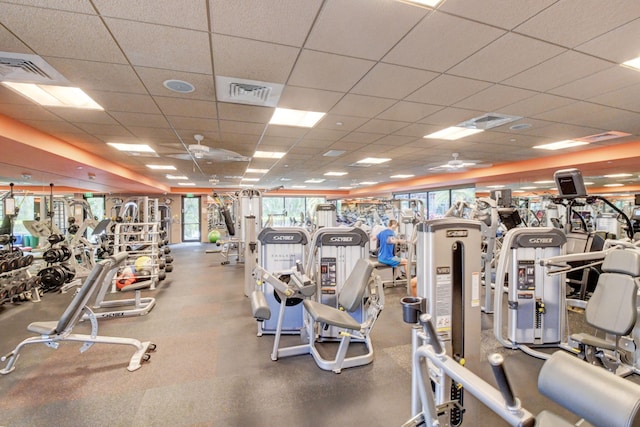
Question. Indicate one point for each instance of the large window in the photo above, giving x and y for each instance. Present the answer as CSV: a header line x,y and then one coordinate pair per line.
x,y
435,203
289,211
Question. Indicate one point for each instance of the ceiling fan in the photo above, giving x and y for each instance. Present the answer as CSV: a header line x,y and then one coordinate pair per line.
x,y
199,151
457,165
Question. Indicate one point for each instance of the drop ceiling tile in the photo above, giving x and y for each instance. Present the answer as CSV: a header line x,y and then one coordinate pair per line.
x,y
394,141
578,16
29,111
450,116
165,12
557,71
104,131
326,134
381,126
341,122
327,71
627,98
359,137
505,57
265,20
11,43
392,81
463,38
578,113
495,98
61,34
241,127
253,60
198,125
144,132
124,102
285,131
246,113
76,115
408,111
302,98
140,119
153,79
310,142
614,45
343,28
54,127
447,90
511,13
159,46
186,107
608,80
361,106
535,105
417,130
559,131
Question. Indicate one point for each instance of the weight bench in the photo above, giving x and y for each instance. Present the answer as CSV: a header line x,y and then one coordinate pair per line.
x,y
52,333
141,305
323,316
612,308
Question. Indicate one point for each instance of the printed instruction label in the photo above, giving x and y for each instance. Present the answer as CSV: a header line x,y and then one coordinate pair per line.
x,y
475,289
443,299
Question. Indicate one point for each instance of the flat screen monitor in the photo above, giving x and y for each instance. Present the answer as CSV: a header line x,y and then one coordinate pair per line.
x,y
510,217
570,183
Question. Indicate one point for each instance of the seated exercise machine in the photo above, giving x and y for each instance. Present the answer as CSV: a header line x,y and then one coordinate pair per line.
x,y
599,397
360,297
51,333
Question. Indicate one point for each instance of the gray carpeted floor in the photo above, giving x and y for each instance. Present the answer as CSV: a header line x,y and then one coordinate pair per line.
x,y
210,368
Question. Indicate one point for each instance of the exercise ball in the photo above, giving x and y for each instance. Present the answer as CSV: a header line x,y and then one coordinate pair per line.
x,y
214,236
142,263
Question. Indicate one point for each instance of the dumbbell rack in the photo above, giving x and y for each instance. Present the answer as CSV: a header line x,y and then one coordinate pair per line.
x,y
18,281
138,239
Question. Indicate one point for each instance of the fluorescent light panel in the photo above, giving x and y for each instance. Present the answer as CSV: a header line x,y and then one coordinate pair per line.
x,y
251,179
176,176
401,176
162,167
54,96
315,181
269,154
452,133
132,148
368,182
298,186
336,173
345,188
428,3
373,160
186,183
632,63
250,170
300,118
618,175
614,185
560,145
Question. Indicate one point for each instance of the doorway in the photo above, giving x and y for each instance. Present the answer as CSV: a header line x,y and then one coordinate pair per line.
x,y
191,219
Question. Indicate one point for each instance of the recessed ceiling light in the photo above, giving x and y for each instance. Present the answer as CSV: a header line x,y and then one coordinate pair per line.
x,y
632,63
246,185
250,170
300,118
368,182
251,179
176,176
373,160
569,143
452,133
54,96
179,86
315,180
588,183
614,185
345,188
496,186
186,183
162,167
401,176
618,175
336,173
285,179
137,148
269,154
298,186
428,3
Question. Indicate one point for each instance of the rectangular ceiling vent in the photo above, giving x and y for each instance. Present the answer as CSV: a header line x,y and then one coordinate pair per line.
x,y
360,165
26,68
603,136
488,121
250,92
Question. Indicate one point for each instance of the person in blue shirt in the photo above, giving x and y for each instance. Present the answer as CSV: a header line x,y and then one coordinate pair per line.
x,y
387,240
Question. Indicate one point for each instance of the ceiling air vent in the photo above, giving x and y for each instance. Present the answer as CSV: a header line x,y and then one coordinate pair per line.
x,y
251,92
603,136
488,121
26,68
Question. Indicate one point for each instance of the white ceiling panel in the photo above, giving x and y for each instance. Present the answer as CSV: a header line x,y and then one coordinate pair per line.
x,y
557,71
610,79
253,60
250,113
450,116
159,46
392,81
134,103
190,14
501,13
424,48
572,22
627,98
381,126
197,125
341,122
614,45
10,43
361,106
301,98
447,90
408,111
494,98
265,20
186,107
326,71
342,28
505,57
536,104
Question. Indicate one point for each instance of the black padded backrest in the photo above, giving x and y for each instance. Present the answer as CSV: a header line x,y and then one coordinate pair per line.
x,y
73,311
353,288
593,393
